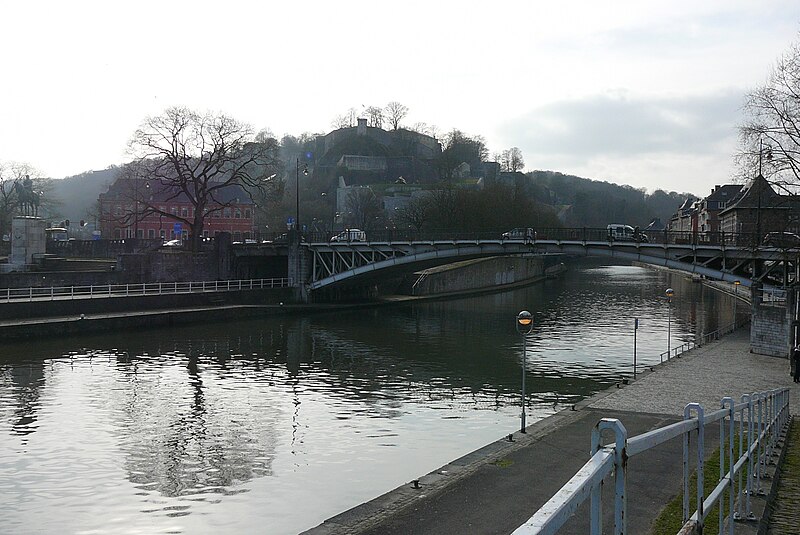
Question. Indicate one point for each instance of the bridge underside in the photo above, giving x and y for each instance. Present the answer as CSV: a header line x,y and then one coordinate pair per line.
x,y
336,264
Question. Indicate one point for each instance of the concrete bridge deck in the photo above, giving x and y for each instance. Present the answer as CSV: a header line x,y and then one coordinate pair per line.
x,y
496,489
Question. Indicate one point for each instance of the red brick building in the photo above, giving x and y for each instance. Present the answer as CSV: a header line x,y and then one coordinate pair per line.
x,y
161,212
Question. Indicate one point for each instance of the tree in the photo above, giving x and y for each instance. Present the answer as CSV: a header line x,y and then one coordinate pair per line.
x,y
363,207
414,214
374,117
11,174
460,148
770,136
192,156
395,112
511,160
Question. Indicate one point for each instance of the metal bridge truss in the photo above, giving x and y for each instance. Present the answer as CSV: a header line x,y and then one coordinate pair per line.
x,y
335,263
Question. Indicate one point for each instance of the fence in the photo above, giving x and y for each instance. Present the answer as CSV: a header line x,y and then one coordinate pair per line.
x,y
764,415
53,293
704,339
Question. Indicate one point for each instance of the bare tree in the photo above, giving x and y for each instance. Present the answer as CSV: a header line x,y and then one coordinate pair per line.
x,y
770,136
194,157
511,160
395,112
414,214
374,117
363,208
340,121
12,174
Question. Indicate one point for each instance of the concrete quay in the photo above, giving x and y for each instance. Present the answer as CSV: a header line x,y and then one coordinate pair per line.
x,y
497,488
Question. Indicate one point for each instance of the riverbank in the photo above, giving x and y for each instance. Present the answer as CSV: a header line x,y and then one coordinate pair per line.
x,y
497,488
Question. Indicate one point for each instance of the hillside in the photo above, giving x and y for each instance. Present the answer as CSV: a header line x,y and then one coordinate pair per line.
x,y
76,196
582,202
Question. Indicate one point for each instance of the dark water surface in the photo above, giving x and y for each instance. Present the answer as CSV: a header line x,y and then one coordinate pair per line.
x,y
272,426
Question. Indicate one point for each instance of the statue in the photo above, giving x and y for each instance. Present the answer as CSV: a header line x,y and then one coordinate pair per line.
x,y
28,199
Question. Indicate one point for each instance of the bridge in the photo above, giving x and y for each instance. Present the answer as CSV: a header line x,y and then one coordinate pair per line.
x,y
721,256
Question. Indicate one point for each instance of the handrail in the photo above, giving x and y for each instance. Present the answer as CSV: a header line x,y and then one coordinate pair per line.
x,y
66,293
765,414
708,337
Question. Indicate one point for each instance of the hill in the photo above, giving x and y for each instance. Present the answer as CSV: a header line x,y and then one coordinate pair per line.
x,y
582,202
76,196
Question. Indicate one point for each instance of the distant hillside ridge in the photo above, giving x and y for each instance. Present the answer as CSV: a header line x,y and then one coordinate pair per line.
x,y
77,195
583,202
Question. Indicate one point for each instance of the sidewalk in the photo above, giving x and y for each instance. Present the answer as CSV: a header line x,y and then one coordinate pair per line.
x,y
497,488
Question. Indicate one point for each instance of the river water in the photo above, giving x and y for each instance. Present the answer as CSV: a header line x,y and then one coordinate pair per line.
x,y
274,425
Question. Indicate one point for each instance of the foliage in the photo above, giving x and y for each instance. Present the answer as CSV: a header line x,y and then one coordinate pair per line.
x,y
593,203
460,148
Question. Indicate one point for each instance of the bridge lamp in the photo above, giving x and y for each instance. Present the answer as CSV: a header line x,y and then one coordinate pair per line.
x,y
669,293
297,192
524,327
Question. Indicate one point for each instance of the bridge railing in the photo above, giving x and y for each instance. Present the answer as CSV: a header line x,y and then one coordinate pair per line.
x,y
53,293
755,424
583,234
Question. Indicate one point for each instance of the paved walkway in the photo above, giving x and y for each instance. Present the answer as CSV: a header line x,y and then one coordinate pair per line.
x,y
496,489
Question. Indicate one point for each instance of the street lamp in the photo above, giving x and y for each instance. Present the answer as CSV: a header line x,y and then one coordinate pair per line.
x,y
297,193
736,284
524,327
669,293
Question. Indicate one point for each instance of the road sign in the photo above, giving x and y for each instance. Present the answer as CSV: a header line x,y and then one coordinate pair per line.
x,y
290,220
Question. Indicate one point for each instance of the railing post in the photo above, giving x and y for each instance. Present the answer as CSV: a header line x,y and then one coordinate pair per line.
x,y
728,401
750,431
620,478
687,411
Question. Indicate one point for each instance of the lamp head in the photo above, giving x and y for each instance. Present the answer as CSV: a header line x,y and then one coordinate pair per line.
x,y
524,322
669,293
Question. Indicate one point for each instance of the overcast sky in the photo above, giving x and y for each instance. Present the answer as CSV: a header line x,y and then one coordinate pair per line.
x,y
646,93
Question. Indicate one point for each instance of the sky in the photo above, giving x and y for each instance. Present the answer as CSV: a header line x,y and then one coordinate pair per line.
x,y
643,93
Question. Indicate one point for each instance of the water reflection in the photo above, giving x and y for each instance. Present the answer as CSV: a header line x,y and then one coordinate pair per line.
x,y
290,420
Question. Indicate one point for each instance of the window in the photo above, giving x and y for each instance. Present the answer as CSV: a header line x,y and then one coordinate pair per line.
x,y
247,213
184,212
237,213
140,233
151,233
118,211
162,233
226,213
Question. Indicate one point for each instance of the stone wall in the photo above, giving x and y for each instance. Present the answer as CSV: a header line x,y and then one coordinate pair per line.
x,y
480,273
771,322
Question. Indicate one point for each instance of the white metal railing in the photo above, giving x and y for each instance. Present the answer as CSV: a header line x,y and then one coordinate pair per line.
x,y
760,417
53,293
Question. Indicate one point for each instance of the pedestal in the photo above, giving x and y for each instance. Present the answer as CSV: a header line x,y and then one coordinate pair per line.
x,y
27,239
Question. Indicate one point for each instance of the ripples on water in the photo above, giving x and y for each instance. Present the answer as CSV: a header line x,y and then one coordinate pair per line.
x,y
274,425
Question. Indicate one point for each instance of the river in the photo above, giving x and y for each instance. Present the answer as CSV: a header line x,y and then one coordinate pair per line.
x,y
274,425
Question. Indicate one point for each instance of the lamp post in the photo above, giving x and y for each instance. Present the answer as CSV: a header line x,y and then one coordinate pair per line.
x,y
524,327
297,192
736,284
669,293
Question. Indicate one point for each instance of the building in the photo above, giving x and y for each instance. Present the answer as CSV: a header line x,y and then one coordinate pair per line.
x,y
758,209
708,223
685,219
159,208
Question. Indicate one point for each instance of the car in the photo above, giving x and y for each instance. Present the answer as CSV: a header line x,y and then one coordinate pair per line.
x,y
172,243
785,240
350,234
519,234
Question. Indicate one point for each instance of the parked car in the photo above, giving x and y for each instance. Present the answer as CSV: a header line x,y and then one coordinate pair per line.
x,y
173,243
786,240
350,234
519,234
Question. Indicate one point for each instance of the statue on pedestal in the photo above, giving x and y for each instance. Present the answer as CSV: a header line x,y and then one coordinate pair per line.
x,y
28,199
